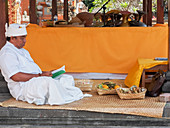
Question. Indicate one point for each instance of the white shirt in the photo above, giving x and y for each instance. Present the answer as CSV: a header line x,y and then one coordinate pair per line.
x,y
14,60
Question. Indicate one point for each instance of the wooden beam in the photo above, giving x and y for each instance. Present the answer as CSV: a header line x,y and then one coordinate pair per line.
x,y
54,8
149,12
33,11
169,34
145,10
66,10
2,23
160,11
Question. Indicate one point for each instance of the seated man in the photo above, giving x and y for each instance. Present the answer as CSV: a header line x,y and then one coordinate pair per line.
x,y
25,79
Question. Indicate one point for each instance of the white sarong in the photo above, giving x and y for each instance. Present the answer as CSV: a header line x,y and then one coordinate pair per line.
x,y
46,90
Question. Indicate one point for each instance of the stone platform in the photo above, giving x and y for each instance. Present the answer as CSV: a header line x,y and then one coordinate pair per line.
x,y
29,118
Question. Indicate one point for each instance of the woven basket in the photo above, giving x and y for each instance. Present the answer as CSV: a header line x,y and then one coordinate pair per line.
x,y
84,85
104,92
140,95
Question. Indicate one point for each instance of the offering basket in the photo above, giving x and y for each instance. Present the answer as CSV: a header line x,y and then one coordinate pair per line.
x,y
84,85
140,95
107,88
103,92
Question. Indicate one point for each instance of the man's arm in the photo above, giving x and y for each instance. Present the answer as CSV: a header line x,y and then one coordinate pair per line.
x,y
23,77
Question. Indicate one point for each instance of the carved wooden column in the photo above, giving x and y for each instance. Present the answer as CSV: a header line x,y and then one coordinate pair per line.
x,y
2,23
149,12
12,11
169,34
54,8
145,10
32,11
66,10
160,11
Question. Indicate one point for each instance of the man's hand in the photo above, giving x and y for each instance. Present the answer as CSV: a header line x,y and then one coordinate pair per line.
x,y
46,73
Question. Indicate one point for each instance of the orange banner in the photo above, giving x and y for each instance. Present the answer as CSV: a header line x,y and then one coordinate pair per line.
x,y
94,49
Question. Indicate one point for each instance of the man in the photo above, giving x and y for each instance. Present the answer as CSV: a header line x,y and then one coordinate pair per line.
x,y
25,79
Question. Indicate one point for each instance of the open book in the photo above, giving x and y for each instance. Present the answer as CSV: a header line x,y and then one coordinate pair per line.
x,y
58,72
161,58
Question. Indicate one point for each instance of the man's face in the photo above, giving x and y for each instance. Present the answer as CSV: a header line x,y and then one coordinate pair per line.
x,y
19,41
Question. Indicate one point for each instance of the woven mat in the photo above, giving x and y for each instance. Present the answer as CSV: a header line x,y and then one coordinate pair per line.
x,y
149,106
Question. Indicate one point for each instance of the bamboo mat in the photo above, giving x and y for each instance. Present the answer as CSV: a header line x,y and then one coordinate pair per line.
x,y
149,106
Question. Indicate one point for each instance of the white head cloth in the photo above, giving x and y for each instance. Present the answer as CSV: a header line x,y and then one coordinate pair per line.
x,y
15,30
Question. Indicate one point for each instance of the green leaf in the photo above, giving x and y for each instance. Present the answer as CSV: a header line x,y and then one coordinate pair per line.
x,y
100,86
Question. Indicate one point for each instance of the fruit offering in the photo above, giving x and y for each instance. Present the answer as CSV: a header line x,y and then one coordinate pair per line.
x,y
108,86
131,90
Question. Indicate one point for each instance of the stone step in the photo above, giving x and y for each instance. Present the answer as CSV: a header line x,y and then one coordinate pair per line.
x,y
42,117
1,77
75,119
29,118
3,87
76,126
5,96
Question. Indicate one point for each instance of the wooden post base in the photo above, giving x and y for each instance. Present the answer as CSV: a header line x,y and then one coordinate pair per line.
x,y
151,71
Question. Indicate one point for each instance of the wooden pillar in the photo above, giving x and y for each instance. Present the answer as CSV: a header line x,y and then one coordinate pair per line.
x,y
6,10
2,23
54,8
145,10
32,11
160,11
149,12
169,34
66,10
